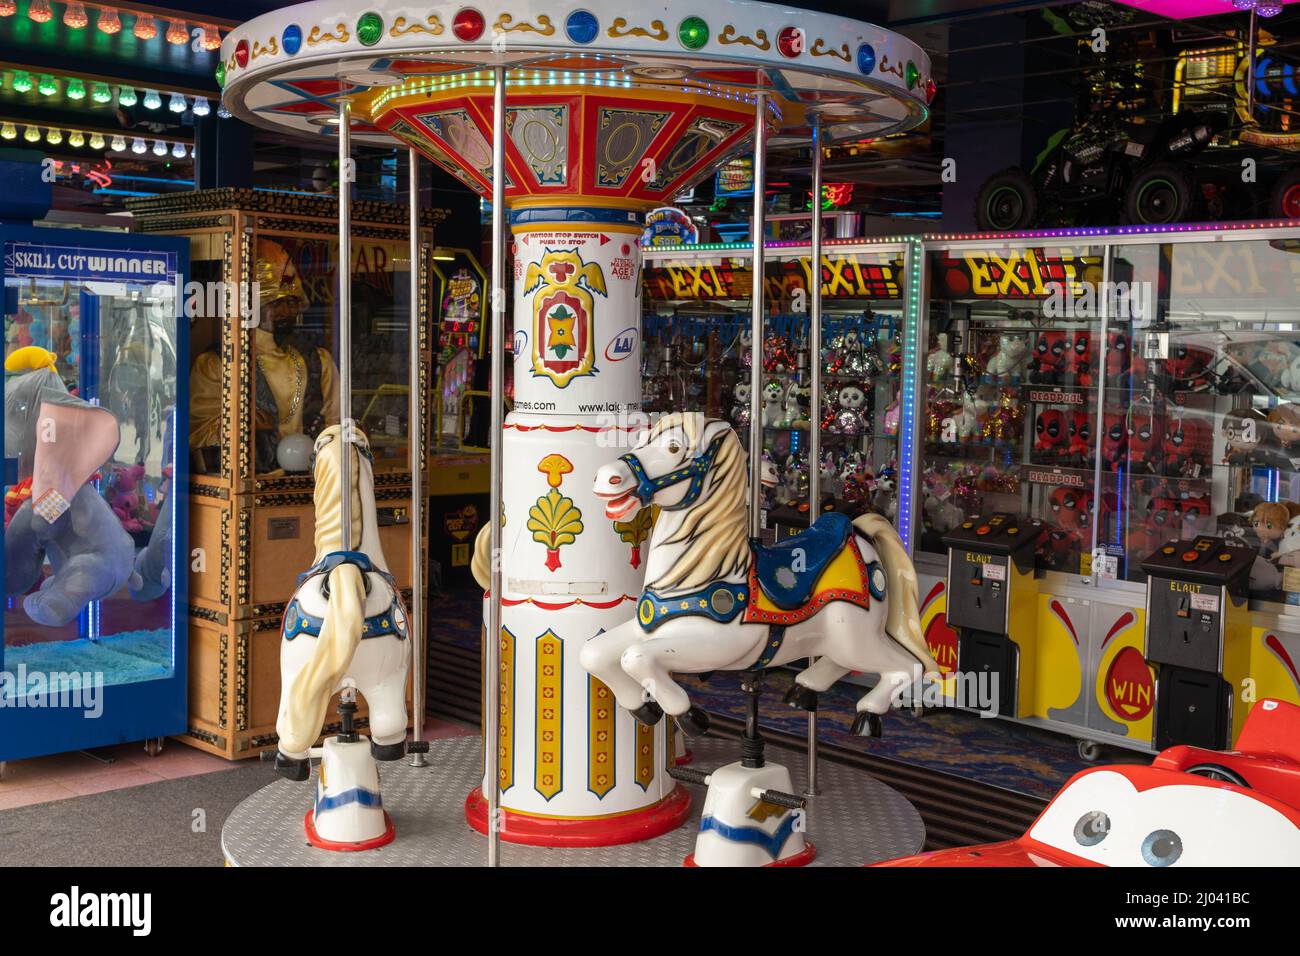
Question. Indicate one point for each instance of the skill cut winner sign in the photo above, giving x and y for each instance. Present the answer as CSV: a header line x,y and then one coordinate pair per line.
x,y
29,260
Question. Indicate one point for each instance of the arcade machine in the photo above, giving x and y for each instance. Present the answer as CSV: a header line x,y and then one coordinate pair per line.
x,y
992,597
1198,636
92,647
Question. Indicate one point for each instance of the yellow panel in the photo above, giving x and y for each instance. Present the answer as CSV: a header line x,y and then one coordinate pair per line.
x,y
1059,678
645,755
1125,687
548,776
939,637
600,738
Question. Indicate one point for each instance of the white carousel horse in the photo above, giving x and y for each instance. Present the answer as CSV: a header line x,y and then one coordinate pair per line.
x,y
844,592
345,629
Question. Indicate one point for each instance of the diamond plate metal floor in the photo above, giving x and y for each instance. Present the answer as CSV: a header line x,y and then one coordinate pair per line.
x,y
853,821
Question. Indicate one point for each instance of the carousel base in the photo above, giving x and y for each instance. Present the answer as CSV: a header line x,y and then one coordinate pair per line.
x,y
854,820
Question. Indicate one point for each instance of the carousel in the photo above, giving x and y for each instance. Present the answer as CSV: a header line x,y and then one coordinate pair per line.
x,y
619,552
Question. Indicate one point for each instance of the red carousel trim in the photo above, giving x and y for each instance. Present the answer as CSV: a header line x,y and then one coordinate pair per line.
x,y
549,606
318,841
612,830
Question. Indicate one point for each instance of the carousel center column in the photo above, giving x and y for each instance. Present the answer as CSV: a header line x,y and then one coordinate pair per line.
x,y
575,768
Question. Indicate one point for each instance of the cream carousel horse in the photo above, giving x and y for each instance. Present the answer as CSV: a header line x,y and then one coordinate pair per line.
x,y
345,629
843,592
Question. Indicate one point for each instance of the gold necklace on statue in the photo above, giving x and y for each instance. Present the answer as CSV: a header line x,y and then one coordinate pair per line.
x,y
299,389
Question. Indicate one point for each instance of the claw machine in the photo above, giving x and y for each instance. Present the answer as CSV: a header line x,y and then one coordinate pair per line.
x,y
93,649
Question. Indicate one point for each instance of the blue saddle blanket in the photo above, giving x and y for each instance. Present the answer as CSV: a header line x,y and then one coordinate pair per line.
x,y
788,570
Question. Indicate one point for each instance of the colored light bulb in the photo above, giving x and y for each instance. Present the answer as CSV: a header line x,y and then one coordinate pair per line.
x,y
54,136
39,11
7,9
119,144
32,134
152,100
146,27
8,131
126,96
201,106
176,104
109,22
159,148
75,15
77,138
22,82
370,29
96,140
138,146
47,86
211,39
222,112
177,32
693,33
178,150
100,93
76,89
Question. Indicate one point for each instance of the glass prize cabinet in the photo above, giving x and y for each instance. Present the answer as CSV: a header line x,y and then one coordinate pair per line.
x,y
1126,391
93,648
698,353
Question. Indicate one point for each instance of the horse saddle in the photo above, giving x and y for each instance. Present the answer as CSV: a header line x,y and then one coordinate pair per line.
x,y
391,621
788,571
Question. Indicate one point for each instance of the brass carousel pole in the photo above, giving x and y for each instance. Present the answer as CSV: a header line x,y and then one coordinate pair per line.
x,y
758,298
492,638
415,429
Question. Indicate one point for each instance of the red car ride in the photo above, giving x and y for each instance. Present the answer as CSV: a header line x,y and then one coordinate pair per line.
x,y
1191,807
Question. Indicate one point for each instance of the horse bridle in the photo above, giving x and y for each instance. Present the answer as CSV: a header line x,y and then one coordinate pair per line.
x,y
694,470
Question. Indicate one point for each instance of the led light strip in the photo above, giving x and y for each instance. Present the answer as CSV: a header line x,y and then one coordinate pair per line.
x,y
33,133
109,22
76,89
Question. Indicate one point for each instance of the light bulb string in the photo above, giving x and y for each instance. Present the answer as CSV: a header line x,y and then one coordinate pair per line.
x,y
138,14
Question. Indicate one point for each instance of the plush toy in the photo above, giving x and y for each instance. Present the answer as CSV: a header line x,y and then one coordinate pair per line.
x,y
1070,506
851,418
1245,430
1187,447
1285,422
1047,366
1118,349
1269,521
773,396
1188,367
939,363
1114,440
1144,444
1009,360
794,410
1291,377
1162,523
153,564
893,415
1288,549
740,412
972,412
1050,428
60,441
1079,361
1196,514
1079,450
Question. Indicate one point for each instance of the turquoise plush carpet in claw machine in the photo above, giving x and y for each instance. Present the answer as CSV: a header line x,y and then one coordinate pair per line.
x,y
93,644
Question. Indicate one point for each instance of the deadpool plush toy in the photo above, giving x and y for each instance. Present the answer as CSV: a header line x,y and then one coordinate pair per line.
x,y
1144,445
1050,428
1114,440
1196,515
1118,350
1079,361
1188,367
1079,451
1162,523
1056,546
1047,364
1187,447
1071,507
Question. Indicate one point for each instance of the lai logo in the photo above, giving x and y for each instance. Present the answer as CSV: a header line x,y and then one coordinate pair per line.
x,y
622,345
125,910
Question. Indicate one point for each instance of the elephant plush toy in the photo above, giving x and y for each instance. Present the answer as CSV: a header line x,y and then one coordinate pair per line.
x,y
60,441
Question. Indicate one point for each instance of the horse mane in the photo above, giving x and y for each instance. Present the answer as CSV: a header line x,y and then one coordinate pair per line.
x,y
716,529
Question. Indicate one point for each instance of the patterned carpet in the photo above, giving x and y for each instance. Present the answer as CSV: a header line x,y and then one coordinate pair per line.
x,y
994,752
